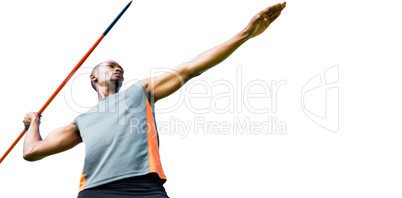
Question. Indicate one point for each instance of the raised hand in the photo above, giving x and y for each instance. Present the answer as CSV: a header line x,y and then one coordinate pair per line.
x,y
31,116
263,19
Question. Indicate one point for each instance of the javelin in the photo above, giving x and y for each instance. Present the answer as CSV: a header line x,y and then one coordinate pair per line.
x,y
68,78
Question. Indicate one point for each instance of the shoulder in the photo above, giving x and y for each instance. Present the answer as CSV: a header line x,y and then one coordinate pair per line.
x,y
141,85
72,127
145,82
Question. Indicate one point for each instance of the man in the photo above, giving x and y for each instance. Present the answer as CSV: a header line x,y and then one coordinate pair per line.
x,y
122,155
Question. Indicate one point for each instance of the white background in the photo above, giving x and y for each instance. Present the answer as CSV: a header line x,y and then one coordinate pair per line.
x,y
41,41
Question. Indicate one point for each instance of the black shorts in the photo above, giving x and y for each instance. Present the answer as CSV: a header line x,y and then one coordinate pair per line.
x,y
146,186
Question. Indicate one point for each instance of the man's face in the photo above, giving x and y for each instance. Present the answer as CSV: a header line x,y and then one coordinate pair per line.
x,y
110,72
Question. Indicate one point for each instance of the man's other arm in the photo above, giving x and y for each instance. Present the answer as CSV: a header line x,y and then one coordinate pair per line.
x,y
169,82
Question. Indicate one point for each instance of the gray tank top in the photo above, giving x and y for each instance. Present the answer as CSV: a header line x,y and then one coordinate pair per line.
x,y
120,137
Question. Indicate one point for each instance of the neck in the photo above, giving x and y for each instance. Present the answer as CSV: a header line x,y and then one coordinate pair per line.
x,y
104,91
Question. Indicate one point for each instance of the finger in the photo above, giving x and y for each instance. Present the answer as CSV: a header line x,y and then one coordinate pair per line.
x,y
275,8
283,5
271,9
275,12
274,16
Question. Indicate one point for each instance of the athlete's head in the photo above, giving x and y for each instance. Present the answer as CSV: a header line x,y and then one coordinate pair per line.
x,y
109,74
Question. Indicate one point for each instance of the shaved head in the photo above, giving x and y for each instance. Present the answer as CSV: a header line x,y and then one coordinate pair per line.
x,y
95,70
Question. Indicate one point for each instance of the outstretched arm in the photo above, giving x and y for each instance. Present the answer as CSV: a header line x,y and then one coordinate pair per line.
x,y
164,85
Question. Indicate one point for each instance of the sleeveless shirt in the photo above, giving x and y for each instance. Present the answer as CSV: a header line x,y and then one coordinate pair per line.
x,y
120,137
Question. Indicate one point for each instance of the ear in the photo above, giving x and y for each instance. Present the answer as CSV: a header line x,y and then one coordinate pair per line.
x,y
93,78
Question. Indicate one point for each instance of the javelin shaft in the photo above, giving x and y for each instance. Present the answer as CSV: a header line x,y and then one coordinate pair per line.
x,y
68,78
